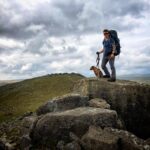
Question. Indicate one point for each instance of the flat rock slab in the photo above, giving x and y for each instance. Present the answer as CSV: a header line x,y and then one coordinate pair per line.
x,y
63,103
99,103
53,127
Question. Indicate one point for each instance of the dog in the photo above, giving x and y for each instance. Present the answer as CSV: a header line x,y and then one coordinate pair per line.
x,y
97,71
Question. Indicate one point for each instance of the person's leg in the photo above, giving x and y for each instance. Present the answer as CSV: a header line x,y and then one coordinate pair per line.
x,y
103,65
112,66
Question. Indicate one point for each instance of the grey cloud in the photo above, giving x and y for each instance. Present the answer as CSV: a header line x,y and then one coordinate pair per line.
x,y
17,69
64,17
8,50
69,49
145,50
122,8
68,52
35,44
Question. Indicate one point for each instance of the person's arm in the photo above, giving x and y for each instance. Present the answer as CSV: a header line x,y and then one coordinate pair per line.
x,y
101,50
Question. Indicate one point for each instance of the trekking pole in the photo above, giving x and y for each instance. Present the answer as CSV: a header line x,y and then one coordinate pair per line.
x,y
98,59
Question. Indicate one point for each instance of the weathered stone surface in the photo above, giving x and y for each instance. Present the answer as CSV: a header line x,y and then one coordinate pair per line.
x,y
96,139
130,99
72,146
25,115
65,102
2,145
27,124
54,127
74,137
60,145
147,141
69,146
5,145
99,103
112,139
25,142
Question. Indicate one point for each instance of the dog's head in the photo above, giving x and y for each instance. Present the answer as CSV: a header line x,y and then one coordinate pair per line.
x,y
92,68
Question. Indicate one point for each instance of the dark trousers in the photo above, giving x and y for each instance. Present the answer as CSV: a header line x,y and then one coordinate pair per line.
x,y
111,63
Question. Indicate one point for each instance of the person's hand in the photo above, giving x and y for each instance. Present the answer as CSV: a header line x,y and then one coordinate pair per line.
x,y
97,53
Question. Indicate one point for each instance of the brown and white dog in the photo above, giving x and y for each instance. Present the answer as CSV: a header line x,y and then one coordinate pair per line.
x,y
97,71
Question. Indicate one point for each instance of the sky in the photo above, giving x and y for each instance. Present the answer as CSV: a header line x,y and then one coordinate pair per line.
x,y
39,37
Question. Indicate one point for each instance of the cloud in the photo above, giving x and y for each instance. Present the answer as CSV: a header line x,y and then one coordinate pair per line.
x,y
10,45
20,20
39,37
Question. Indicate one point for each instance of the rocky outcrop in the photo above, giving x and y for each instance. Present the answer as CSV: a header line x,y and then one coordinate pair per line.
x,y
130,99
92,126
59,124
112,139
87,119
65,102
97,138
61,116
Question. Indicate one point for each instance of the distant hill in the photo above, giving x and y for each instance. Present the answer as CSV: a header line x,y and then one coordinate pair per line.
x,y
27,95
4,82
141,78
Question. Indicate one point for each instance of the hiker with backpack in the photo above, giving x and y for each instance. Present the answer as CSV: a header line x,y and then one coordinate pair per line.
x,y
111,48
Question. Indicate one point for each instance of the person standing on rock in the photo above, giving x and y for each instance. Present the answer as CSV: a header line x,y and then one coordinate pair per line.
x,y
108,51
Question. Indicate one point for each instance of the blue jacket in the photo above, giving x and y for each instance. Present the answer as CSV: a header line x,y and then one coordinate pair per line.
x,y
108,46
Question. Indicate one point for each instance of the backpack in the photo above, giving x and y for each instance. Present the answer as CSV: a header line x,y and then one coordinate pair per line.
x,y
114,36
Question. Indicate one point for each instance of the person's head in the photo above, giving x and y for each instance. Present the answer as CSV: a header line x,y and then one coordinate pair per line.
x,y
106,33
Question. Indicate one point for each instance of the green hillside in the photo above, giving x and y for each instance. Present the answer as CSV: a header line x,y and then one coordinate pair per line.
x,y
28,95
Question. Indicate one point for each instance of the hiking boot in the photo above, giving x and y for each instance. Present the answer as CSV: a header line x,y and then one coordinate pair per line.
x,y
106,76
111,80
